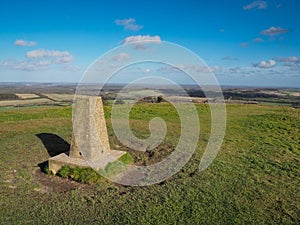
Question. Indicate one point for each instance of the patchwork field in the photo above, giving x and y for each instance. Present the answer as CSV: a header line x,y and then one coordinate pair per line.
x,y
254,179
26,102
27,96
60,97
30,99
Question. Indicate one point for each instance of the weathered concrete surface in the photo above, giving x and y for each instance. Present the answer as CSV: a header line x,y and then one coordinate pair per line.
x,y
56,162
90,132
89,128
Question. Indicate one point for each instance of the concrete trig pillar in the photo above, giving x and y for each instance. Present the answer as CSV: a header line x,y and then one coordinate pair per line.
x,y
90,144
90,127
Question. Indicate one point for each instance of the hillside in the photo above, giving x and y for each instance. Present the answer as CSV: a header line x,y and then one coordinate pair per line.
x,y
254,179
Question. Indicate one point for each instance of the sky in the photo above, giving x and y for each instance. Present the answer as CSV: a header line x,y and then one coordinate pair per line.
x,y
244,42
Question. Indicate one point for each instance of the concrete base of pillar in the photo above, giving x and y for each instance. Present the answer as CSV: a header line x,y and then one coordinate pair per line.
x,y
57,162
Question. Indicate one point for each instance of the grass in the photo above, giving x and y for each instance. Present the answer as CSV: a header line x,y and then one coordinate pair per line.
x,y
254,179
90,176
83,175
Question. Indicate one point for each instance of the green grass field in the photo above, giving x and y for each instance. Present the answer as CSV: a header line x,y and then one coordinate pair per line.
x,y
254,179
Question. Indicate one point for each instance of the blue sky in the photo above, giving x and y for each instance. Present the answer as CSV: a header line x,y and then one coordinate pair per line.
x,y
245,42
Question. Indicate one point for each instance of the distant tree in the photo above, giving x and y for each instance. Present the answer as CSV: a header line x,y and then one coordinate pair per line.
x,y
8,97
119,101
105,102
159,99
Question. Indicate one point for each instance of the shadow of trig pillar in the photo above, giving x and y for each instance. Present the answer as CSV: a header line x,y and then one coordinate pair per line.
x,y
91,139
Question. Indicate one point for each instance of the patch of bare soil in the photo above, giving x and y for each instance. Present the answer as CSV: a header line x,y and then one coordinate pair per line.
x,y
56,184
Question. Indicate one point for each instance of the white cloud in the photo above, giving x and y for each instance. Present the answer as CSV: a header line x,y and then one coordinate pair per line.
x,y
141,41
27,65
290,59
39,59
147,70
215,69
128,24
43,53
71,68
244,44
261,69
21,42
256,5
272,31
64,59
121,57
255,71
266,64
190,68
291,62
258,40
60,57
142,38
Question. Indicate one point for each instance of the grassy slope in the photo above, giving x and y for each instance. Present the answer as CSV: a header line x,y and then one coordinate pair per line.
x,y
254,179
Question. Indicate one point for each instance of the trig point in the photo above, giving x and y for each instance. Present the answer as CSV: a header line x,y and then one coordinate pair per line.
x,y
90,145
